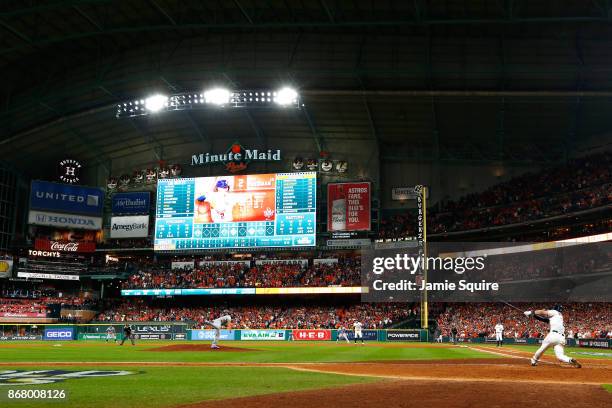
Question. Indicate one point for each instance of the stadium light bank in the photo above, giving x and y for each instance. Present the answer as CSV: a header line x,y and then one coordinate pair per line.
x,y
217,97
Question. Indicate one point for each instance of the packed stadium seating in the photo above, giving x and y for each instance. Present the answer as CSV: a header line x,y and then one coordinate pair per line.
x,y
346,273
372,315
582,320
582,184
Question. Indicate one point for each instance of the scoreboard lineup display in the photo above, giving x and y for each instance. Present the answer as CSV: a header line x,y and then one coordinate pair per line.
x,y
246,211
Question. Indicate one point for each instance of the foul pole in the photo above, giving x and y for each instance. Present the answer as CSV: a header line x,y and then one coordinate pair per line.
x,y
422,236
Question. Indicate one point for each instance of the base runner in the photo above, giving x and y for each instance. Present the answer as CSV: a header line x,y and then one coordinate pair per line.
x,y
111,334
217,324
556,336
342,334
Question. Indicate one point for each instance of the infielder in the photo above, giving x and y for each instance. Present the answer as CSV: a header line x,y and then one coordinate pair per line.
x,y
217,324
499,334
556,336
342,334
111,334
358,334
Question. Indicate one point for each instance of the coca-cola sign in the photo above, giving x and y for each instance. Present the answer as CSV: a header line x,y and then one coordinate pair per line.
x,y
64,246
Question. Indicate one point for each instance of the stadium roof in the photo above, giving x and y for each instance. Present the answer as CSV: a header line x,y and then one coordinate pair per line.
x,y
451,80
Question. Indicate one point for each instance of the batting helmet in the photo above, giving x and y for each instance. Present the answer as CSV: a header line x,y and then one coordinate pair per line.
x,y
558,308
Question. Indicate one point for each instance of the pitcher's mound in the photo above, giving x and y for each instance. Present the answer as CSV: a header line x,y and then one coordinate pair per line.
x,y
200,347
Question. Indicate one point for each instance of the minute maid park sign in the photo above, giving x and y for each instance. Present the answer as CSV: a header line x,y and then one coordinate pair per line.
x,y
236,158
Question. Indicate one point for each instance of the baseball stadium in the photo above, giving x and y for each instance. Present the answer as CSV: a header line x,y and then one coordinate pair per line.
x,y
305,203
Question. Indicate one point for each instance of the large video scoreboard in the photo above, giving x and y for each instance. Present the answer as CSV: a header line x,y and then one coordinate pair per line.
x,y
259,210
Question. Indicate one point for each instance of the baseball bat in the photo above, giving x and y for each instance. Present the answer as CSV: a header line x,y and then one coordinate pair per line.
x,y
512,306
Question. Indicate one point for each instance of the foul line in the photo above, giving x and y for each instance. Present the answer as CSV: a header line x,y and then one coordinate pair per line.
x,y
437,378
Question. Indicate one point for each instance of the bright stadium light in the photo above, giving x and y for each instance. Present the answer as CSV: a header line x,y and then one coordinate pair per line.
x,y
217,96
212,98
156,103
286,96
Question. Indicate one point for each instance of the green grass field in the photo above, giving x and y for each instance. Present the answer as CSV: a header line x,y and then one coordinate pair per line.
x,y
170,386
266,352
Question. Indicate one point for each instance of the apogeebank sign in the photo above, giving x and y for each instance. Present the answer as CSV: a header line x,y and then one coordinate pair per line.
x,y
59,333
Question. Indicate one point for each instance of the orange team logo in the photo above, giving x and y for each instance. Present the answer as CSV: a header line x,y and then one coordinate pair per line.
x,y
236,165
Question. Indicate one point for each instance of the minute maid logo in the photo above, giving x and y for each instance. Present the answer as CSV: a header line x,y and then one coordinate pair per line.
x,y
236,158
4,266
23,377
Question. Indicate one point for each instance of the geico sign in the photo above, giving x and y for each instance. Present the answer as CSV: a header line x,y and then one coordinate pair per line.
x,y
59,334
51,254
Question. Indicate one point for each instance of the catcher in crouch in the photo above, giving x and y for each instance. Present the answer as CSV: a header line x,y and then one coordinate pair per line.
x,y
555,337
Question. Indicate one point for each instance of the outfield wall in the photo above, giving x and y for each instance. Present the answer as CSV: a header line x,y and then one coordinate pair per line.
x,y
182,331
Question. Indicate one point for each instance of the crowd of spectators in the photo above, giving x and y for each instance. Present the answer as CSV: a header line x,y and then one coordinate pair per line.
x,y
371,315
23,305
344,273
581,184
582,320
42,303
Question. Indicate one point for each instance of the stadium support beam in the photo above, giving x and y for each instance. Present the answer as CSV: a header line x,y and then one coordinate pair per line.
x,y
254,125
328,12
501,114
163,12
435,129
16,32
156,147
318,139
295,24
87,17
196,127
243,11
100,159
575,121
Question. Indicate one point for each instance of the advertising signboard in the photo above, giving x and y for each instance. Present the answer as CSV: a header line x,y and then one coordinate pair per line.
x,y
348,206
208,334
131,203
66,198
64,220
403,335
311,334
59,333
274,335
132,226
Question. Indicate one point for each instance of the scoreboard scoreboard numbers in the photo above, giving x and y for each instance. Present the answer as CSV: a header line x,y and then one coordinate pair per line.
x,y
241,211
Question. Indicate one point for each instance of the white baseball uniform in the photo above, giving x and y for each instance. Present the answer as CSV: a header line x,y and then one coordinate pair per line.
x,y
555,338
110,333
499,332
217,324
358,335
342,334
